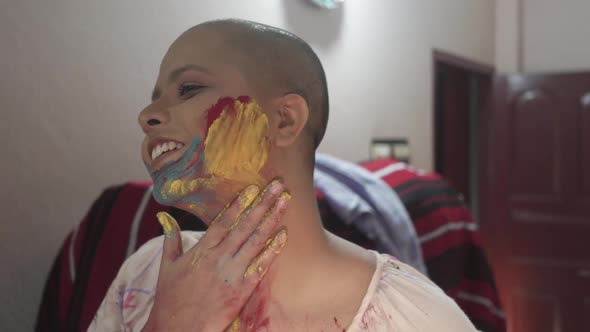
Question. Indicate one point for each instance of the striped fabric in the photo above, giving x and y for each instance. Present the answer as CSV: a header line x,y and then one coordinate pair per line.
x,y
450,240
123,218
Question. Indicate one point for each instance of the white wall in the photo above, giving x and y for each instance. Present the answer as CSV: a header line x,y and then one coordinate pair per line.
x,y
506,36
554,35
75,74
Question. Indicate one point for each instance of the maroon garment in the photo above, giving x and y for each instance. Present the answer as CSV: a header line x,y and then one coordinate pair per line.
x,y
123,218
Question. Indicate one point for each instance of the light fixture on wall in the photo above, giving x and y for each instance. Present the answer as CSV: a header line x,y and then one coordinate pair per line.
x,y
327,4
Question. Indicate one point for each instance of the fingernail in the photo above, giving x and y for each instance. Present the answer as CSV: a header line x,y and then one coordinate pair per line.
x,y
282,200
279,241
168,223
251,190
276,185
285,196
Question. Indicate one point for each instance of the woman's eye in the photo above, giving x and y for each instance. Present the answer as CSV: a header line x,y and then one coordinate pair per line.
x,y
188,89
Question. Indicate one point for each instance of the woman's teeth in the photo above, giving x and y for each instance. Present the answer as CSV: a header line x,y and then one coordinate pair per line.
x,y
165,147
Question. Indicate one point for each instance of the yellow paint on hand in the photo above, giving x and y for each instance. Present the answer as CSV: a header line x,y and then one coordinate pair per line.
x,y
252,204
278,242
248,195
247,199
251,269
285,195
235,325
169,224
261,263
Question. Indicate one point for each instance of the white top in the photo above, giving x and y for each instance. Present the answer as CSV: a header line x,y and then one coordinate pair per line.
x,y
399,298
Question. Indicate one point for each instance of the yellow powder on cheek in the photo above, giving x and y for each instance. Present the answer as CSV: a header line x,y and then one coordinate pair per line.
x,y
235,151
236,146
181,187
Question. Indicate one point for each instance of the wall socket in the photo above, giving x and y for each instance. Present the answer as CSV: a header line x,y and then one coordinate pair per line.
x,y
396,148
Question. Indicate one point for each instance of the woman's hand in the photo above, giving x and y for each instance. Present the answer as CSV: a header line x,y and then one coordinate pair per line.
x,y
205,288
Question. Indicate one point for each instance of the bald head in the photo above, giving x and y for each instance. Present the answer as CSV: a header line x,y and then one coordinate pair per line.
x,y
277,62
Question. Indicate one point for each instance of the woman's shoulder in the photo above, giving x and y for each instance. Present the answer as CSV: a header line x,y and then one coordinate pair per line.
x,y
402,299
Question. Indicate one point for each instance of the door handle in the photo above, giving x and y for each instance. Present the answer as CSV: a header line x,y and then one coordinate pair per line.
x,y
585,100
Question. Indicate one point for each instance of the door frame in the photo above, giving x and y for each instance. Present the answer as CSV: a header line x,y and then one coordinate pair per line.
x,y
440,57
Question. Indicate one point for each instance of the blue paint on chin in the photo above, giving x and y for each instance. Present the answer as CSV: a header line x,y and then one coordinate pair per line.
x,y
173,171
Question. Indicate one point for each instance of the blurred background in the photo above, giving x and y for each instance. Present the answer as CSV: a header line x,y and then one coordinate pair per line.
x,y
494,95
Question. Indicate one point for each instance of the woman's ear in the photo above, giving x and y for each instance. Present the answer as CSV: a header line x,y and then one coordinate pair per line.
x,y
291,117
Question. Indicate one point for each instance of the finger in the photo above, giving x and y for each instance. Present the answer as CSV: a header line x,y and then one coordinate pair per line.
x,y
172,240
259,266
224,220
252,218
234,326
261,235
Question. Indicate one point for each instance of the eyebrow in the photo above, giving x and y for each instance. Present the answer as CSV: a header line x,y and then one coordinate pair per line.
x,y
176,73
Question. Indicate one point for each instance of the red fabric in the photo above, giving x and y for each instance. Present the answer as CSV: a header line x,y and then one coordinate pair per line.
x,y
64,284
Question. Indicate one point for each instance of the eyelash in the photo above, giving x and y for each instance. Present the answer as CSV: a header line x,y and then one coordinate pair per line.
x,y
190,88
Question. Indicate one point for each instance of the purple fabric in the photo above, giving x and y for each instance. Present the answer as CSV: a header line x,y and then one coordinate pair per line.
x,y
364,200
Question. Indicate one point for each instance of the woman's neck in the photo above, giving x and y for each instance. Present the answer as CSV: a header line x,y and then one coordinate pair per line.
x,y
307,241
293,270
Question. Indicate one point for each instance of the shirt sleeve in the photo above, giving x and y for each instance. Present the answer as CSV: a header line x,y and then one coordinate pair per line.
x,y
405,300
129,300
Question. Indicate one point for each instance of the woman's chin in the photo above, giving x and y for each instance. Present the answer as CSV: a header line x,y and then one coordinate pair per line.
x,y
206,199
206,213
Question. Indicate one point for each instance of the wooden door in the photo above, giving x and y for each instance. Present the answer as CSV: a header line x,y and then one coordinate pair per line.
x,y
537,207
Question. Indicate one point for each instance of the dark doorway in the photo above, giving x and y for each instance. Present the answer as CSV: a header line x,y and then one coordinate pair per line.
x,y
461,91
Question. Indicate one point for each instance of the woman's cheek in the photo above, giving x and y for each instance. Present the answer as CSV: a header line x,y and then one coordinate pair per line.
x,y
236,145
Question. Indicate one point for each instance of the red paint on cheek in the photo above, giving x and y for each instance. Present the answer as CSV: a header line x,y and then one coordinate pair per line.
x,y
213,113
224,103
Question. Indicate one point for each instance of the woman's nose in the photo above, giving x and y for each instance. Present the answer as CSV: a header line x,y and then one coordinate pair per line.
x,y
151,118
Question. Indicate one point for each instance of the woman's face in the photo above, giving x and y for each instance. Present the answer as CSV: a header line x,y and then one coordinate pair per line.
x,y
205,136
